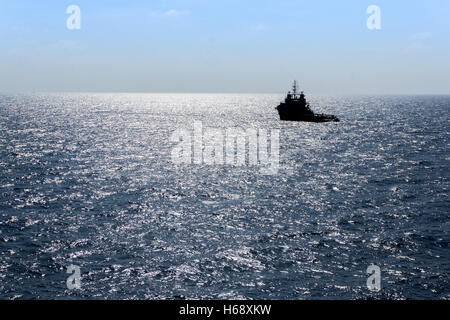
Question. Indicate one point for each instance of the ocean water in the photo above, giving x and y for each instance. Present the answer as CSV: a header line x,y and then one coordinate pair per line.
x,y
88,180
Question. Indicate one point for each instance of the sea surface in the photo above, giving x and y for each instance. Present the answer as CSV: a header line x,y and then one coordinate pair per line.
x,y
88,180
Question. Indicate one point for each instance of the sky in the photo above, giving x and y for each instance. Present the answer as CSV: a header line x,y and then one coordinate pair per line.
x,y
232,46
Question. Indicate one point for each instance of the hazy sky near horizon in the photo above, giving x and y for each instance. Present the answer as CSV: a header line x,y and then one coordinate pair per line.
x,y
225,46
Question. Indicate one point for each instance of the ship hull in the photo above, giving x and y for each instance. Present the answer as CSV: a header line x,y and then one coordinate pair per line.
x,y
289,114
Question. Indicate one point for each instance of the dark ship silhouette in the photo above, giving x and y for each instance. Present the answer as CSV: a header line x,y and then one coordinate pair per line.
x,y
295,108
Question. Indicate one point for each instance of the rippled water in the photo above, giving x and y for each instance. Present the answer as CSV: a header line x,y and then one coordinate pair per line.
x,y
87,179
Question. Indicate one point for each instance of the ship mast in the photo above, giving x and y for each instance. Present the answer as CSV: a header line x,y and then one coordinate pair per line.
x,y
294,88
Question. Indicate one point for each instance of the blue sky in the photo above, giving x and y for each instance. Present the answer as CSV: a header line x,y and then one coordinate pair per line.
x,y
225,46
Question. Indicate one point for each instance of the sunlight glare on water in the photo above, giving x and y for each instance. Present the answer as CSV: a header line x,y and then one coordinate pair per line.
x,y
87,179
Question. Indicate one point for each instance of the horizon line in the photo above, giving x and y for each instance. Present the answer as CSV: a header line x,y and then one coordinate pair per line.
x,y
226,92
